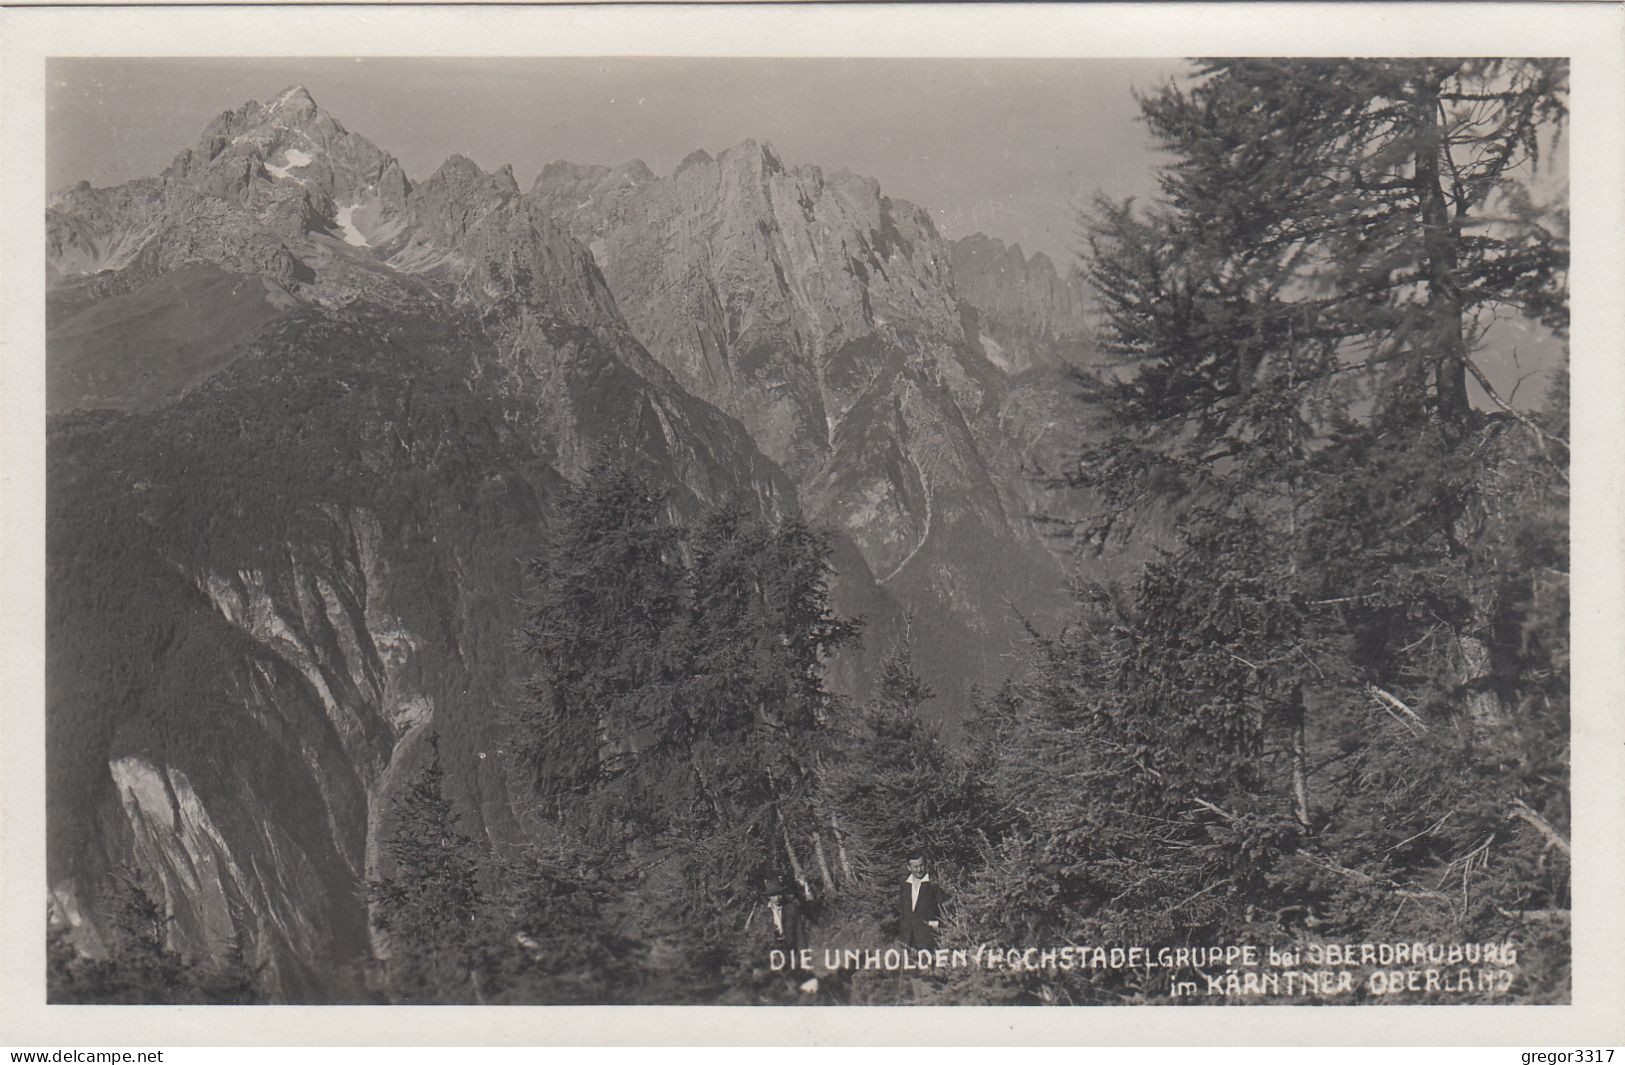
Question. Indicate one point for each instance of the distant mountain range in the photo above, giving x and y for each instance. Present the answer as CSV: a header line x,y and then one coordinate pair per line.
x,y
307,415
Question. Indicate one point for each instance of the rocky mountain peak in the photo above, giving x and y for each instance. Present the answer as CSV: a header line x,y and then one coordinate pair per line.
x,y
294,101
503,178
292,119
69,198
756,157
294,168
462,180
1027,311
474,231
634,172
456,167
447,205
562,182
767,289
821,314
698,157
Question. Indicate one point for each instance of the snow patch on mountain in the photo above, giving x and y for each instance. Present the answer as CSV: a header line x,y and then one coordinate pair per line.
x,y
295,160
345,217
995,353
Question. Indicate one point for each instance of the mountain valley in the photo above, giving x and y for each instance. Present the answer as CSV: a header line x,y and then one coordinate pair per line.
x,y
308,415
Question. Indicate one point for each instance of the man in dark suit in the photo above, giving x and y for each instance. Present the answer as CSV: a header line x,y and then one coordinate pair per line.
x,y
784,910
789,923
919,903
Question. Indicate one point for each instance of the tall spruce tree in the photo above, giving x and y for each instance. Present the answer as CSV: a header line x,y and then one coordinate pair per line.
x,y
430,908
896,789
1297,322
1370,208
1325,702
602,622
763,626
676,711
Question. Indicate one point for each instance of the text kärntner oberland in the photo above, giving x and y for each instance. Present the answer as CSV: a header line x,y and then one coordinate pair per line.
x,y
1240,969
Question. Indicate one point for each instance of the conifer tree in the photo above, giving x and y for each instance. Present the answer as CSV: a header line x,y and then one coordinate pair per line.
x,y
1297,320
1323,210
551,934
897,789
602,620
430,908
761,625
139,964
676,708
1311,704
233,980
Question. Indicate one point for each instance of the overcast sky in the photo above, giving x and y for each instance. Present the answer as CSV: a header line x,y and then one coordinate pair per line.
x,y
1006,146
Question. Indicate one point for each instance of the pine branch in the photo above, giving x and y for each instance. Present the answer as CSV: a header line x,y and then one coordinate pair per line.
x,y
1222,813
1541,435
1522,812
1391,702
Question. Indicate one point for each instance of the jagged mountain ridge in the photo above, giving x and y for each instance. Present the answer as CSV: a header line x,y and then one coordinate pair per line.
x,y
826,316
274,171
1021,311
753,281
462,237
454,349
300,543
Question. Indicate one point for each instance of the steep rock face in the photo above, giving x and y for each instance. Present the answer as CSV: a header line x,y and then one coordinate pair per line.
x,y
89,229
1025,313
290,151
294,546
258,595
263,194
771,292
472,231
823,315
1032,321
562,344
279,170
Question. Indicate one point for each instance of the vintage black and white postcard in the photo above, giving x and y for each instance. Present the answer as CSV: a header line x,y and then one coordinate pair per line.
x,y
816,507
